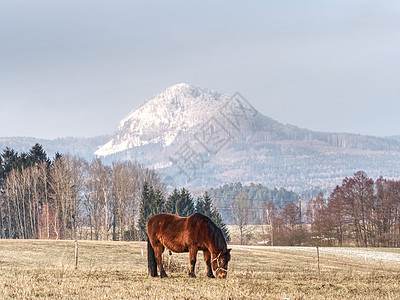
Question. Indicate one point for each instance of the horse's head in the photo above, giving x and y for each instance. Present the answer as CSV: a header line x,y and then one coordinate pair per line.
x,y
220,263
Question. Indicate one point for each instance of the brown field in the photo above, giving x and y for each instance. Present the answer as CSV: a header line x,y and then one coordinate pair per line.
x,y
38,269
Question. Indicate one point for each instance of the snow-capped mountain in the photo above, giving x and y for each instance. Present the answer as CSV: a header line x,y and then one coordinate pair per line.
x,y
176,110
201,138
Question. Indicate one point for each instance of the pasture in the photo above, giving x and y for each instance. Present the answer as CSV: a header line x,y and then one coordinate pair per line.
x,y
39,269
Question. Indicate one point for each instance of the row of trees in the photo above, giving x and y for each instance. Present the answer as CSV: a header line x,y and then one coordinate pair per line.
x,y
360,212
69,198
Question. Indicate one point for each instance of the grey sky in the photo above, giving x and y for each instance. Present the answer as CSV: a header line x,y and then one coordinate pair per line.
x,y
75,68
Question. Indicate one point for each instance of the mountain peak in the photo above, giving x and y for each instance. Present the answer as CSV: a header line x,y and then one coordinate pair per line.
x,y
183,92
169,113
179,87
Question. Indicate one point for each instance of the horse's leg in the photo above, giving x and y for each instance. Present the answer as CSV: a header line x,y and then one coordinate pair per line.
x,y
207,259
192,256
158,251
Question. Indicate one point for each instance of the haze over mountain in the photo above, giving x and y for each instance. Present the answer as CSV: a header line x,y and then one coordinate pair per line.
x,y
200,138
83,147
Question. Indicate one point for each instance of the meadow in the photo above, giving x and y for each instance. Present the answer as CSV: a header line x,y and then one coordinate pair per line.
x,y
43,269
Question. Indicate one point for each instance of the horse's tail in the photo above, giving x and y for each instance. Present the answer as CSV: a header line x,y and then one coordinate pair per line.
x,y
151,260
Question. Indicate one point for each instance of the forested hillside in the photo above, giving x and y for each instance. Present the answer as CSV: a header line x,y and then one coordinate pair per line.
x,y
257,194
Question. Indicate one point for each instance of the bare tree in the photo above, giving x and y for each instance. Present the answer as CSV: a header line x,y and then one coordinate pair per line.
x,y
240,211
270,211
125,191
99,178
76,169
60,184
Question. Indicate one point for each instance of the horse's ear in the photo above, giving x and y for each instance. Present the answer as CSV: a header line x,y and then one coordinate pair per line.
x,y
228,253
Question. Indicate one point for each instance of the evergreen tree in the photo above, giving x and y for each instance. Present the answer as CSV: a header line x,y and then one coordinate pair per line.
x,y
37,155
10,161
57,155
158,202
205,206
151,203
170,205
180,203
217,219
185,206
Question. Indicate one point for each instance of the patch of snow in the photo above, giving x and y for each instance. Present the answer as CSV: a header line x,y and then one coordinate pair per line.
x,y
362,253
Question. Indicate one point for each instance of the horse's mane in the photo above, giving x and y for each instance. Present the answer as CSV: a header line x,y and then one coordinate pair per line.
x,y
214,231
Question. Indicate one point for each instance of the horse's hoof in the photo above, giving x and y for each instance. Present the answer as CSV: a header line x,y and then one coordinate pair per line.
x,y
163,275
192,275
211,276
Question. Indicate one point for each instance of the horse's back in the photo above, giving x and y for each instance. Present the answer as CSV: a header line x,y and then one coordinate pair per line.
x,y
161,220
165,224
170,231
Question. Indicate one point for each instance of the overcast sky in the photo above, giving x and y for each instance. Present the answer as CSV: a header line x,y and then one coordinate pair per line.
x,y
75,68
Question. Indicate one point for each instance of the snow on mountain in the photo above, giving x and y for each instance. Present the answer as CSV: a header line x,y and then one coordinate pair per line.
x,y
171,112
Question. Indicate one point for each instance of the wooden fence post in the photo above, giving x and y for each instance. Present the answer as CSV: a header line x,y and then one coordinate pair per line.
x,y
76,254
319,269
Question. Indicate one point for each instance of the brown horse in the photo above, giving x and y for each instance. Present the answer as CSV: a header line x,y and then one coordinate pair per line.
x,y
191,234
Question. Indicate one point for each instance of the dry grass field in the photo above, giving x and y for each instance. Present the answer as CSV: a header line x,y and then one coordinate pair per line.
x,y
38,269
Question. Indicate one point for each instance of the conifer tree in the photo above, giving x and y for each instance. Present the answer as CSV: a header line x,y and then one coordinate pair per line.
x,y
152,203
205,206
10,161
157,201
185,206
57,155
217,219
37,155
180,203
170,205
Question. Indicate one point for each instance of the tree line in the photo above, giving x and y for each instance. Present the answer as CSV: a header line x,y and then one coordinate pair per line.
x,y
360,212
68,198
